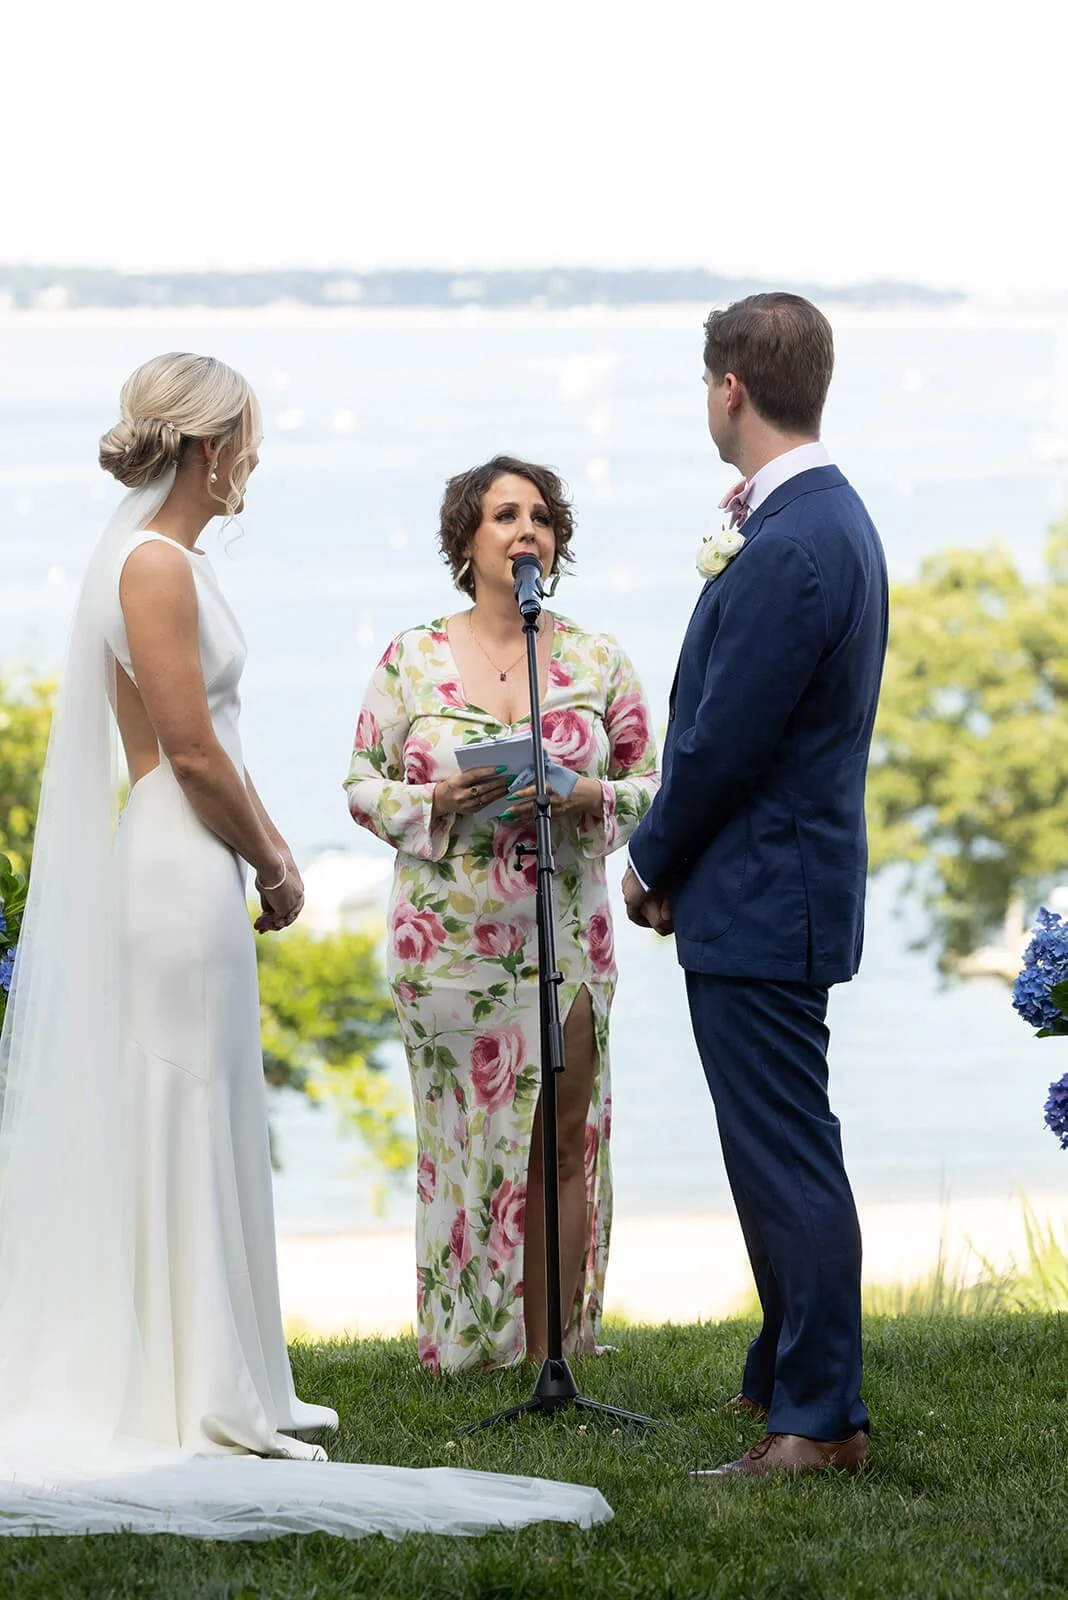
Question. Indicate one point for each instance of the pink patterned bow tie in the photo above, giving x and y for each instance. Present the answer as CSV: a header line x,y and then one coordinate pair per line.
x,y
736,504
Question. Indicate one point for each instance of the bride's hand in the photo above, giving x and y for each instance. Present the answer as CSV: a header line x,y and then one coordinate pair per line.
x,y
282,904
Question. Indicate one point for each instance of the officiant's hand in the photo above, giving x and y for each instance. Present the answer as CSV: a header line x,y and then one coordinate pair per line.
x,y
586,800
467,792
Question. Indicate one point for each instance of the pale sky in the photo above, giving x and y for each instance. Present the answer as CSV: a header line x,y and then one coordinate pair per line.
x,y
832,141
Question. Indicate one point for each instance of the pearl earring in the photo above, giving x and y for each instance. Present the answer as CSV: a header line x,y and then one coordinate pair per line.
x,y
213,477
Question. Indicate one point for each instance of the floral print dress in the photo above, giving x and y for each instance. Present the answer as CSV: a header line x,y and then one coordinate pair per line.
x,y
462,966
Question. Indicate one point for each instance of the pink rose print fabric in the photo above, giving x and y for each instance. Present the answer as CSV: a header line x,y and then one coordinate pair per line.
x,y
462,962
601,944
416,934
428,1178
569,738
497,1059
498,938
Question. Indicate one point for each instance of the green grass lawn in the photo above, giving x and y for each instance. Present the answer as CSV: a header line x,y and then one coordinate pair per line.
x,y
968,1495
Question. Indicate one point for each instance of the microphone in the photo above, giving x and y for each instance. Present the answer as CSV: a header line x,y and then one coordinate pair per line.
x,y
526,569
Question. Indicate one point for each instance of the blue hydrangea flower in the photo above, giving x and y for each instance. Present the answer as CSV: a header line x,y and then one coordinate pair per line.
x,y
7,967
1045,966
1057,1111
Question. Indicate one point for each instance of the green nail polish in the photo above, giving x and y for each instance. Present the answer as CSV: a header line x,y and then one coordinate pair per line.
x,y
507,816
499,770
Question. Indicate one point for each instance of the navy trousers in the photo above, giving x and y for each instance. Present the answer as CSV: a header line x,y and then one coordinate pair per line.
x,y
763,1046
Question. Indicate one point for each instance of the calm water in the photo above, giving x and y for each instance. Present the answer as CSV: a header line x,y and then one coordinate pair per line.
x,y
938,1088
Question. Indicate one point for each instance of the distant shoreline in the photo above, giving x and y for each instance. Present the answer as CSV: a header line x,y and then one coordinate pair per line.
x,y
51,287
668,314
339,297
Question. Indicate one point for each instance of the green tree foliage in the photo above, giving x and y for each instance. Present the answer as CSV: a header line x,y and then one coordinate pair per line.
x,y
968,787
326,1012
25,718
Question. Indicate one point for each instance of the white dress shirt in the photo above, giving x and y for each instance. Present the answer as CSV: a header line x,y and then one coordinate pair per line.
x,y
772,476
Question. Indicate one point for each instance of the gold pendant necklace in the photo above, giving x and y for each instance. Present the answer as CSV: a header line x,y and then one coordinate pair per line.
x,y
503,671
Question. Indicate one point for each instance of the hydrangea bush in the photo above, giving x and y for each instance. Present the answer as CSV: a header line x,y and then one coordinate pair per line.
x,y
12,903
1040,995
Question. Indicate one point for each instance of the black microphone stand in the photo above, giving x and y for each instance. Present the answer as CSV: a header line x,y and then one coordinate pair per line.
x,y
555,1386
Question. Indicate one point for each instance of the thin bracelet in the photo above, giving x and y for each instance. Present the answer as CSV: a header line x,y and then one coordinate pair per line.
x,y
269,888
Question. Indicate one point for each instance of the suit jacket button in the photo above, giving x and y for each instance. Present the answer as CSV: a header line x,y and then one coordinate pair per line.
x,y
671,714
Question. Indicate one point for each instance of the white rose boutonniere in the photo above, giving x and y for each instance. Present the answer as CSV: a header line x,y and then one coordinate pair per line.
x,y
718,550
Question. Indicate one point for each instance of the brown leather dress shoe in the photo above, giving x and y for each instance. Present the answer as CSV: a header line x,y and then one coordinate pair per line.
x,y
740,1405
792,1452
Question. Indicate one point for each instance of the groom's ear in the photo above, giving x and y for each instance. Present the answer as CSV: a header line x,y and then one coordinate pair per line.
x,y
735,394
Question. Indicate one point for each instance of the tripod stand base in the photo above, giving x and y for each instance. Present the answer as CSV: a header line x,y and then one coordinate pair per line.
x,y
554,1389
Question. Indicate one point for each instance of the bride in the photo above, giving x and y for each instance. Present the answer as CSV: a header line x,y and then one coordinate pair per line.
x,y
144,1378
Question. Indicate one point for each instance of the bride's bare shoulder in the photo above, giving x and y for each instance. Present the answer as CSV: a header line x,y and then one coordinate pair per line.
x,y
155,561
156,575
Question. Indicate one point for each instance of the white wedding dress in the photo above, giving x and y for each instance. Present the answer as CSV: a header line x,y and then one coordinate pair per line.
x,y
144,1377
214,1373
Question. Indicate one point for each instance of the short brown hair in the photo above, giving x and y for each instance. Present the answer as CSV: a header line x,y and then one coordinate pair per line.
x,y
782,348
461,511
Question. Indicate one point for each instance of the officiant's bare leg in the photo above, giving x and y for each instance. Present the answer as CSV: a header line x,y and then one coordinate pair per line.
x,y
573,1090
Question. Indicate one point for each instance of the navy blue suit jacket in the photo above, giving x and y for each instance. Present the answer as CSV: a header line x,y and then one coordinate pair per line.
x,y
757,834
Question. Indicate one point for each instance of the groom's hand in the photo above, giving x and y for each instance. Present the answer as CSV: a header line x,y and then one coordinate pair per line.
x,y
658,915
644,909
634,897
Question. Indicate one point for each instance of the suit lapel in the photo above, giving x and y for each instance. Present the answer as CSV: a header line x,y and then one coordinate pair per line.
x,y
675,680
803,483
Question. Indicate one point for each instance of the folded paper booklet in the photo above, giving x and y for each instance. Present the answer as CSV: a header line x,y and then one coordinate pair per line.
x,y
515,753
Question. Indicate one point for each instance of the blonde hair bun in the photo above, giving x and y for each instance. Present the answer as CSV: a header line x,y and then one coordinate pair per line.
x,y
140,449
172,399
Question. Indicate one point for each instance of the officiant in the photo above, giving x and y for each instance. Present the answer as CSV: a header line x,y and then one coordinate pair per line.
x,y
462,938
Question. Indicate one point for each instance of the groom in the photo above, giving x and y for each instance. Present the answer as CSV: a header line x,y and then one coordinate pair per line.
x,y
754,851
